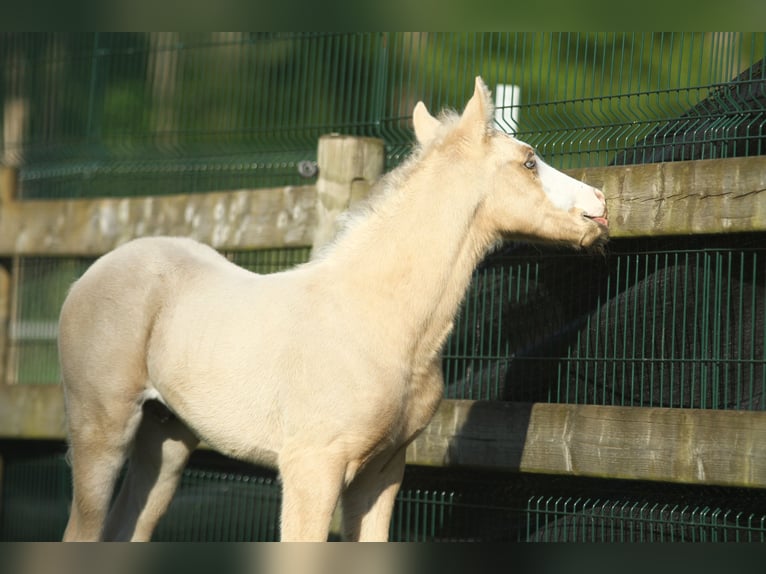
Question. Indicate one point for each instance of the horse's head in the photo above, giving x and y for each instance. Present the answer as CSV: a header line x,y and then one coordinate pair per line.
x,y
521,196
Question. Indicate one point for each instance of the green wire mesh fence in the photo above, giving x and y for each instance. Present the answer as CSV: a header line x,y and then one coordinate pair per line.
x,y
151,113
218,501
664,322
41,283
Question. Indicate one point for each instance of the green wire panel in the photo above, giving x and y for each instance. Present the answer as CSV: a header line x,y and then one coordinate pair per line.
x,y
223,506
566,519
223,500
270,260
115,114
672,322
40,286
434,505
36,493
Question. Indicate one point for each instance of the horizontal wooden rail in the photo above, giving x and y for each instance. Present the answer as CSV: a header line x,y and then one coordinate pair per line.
x,y
253,219
32,412
691,446
679,198
704,196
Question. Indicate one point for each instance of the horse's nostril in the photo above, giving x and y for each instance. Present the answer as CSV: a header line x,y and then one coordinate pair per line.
x,y
600,195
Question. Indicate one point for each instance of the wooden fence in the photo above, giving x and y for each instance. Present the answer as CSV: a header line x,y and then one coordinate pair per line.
x,y
676,445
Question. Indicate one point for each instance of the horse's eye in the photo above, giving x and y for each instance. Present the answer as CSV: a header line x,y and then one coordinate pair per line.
x,y
530,164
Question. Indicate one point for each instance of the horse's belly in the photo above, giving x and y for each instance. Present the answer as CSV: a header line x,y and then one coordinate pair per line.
x,y
214,384
225,419
237,443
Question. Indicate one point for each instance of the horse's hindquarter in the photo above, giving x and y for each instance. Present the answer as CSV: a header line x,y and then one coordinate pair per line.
x,y
107,319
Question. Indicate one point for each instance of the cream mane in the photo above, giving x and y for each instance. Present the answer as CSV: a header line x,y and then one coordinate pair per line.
x,y
392,183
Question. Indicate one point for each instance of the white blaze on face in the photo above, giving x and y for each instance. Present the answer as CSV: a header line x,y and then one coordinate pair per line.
x,y
566,192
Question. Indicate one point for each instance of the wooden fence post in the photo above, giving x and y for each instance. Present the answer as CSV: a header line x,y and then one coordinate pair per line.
x,y
5,312
7,194
8,180
348,168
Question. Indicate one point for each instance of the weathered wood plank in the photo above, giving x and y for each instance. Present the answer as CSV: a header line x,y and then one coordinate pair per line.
x,y
678,198
242,219
675,445
32,412
5,316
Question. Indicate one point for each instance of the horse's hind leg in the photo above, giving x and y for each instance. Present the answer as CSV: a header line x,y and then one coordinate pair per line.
x,y
98,445
368,502
160,452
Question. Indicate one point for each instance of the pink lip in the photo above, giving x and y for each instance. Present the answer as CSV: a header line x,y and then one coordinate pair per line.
x,y
600,220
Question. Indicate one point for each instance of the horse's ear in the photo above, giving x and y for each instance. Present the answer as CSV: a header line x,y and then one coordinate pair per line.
x,y
425,124
478,113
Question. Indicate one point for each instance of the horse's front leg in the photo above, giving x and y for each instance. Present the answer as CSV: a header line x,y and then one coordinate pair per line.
x,y
368,502
311,486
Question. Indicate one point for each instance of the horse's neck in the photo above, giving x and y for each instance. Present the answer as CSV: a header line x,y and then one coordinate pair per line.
x,y
410,262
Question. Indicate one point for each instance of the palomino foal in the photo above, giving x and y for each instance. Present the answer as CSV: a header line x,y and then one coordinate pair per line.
x,y
327,371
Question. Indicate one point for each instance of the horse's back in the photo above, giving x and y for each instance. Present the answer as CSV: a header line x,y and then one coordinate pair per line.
x,y
138,265
134,273
163,255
